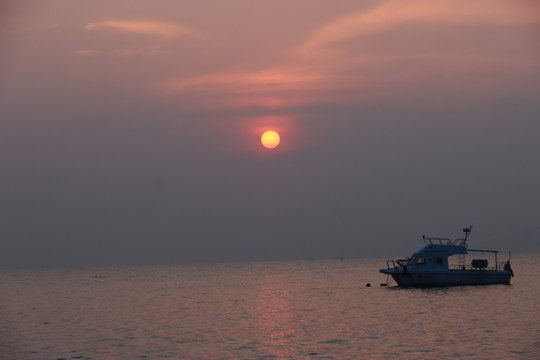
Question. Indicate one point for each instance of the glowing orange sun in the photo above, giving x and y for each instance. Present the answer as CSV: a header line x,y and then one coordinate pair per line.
x,y
270,139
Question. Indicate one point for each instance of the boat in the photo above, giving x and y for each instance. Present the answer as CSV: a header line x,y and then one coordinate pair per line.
x,y
430,265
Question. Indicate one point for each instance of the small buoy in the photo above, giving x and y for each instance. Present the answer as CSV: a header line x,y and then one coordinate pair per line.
x,y
368,285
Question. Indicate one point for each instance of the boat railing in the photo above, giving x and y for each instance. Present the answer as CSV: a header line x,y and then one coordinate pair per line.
x,y
396,264
437,241
503,265
469,267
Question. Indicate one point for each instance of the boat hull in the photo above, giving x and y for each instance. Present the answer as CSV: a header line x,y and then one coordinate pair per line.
x,y
450,278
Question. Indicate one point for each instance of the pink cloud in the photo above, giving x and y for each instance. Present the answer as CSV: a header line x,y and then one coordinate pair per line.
x,y
269,88
258,80
148,50
317,72
164,30
393,13
86,52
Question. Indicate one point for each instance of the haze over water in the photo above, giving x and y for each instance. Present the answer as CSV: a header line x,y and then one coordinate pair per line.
x,y
130,130
263,310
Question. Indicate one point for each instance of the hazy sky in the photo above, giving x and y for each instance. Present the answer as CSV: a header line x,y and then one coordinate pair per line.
x,y
130,130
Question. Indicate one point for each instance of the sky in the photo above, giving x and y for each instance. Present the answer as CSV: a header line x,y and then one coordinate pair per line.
x,y
130,130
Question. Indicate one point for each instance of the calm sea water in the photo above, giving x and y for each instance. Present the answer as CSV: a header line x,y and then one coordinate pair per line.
x,y
263,310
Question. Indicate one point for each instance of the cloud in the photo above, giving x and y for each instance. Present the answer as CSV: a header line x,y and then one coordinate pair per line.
x,y
316,72
393,13
147,50
155,29
263,80
164,30
86,52
270,88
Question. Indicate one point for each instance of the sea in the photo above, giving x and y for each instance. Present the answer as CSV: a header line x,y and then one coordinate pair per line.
x,y
316,309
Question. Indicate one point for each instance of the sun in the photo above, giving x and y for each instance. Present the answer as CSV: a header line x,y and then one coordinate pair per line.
x,y
270,139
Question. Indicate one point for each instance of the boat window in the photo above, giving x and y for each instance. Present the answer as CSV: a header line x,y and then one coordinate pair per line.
x,y
421,261
437,261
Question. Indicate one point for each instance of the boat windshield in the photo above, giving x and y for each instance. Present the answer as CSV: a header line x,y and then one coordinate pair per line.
x,y
416,260
412,260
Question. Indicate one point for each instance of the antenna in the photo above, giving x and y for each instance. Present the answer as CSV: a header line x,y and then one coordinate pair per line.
x,y
467,232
